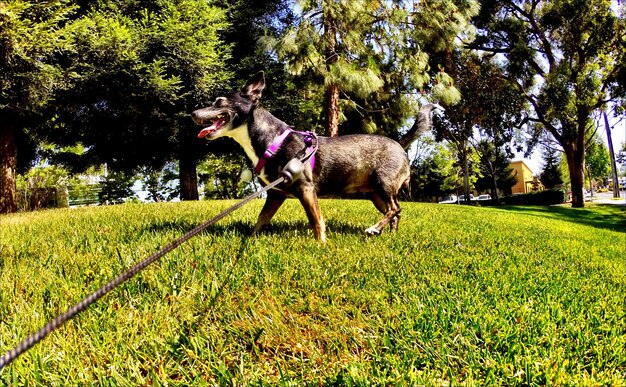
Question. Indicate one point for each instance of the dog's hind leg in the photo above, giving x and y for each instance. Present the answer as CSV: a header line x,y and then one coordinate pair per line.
x,y
274,200
381,206
308,199
391,211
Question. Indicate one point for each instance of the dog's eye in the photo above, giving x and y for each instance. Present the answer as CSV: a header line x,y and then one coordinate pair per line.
x,y
219,102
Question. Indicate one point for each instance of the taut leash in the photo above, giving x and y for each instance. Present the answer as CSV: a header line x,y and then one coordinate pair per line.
x,y
289,174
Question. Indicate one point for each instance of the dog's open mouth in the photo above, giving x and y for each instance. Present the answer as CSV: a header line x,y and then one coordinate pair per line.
x,y
217,123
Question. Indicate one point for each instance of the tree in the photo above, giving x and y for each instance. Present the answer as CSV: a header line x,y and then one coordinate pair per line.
x,y
116,188
490,107
496,170
139,68
457,132
42,187
433,174
31,34
161,185
551,175
363,48
598,162
249,22
566,58
621,155
222,177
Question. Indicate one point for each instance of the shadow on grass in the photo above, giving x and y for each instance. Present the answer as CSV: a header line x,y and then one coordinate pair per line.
x,y
243,228
603,216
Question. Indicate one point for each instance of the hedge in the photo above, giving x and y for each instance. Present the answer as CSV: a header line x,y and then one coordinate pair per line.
x,y
539,198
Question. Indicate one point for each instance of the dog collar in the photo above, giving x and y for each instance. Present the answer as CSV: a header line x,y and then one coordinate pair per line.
x,y
276,144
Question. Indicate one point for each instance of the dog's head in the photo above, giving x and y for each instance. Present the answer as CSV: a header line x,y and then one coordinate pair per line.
x,y
228,113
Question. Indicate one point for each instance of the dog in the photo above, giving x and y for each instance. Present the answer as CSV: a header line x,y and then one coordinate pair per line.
x,y
375,165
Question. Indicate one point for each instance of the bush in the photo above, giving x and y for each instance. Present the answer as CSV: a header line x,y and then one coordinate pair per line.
x,y
539,198
42,187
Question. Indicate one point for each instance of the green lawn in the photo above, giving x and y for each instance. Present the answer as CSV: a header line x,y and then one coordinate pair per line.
x,y
460,295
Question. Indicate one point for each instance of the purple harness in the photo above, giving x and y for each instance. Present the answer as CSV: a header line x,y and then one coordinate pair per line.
x,y
278,141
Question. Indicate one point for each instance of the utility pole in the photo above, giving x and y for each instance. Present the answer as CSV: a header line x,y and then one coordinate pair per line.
x,y
612,154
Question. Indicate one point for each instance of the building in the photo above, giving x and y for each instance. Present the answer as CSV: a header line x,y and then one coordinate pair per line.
x,y
525,179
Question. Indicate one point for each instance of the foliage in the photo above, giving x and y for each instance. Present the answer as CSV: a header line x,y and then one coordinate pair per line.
x,y
490,107
42,187
140,68
459,295
434,174
374,55
551,175
249,22
495,168
621,155
538,198
597,159
565,57
31,34
161,185
116,188
221,177
457,135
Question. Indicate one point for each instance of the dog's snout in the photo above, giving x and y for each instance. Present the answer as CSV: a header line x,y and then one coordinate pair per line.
x,y
196,116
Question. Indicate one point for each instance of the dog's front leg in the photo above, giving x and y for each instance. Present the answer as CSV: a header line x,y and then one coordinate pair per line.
x,y
274,200
308,199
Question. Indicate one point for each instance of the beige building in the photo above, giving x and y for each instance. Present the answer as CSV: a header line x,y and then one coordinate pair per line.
x,y
524,176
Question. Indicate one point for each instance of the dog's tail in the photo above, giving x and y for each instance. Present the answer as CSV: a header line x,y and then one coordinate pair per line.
x,y
423,122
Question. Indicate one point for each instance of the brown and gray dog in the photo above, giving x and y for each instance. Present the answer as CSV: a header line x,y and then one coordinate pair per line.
x,y
370,164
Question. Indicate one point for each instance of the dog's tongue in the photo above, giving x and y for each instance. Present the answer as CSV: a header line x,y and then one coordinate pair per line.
x,y
206,131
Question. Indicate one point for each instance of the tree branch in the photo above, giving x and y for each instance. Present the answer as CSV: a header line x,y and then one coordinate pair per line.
x,y
538,34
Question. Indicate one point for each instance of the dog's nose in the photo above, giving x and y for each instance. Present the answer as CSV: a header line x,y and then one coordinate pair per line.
x,y
196,114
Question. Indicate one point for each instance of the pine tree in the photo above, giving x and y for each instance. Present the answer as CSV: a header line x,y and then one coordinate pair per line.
x,y
551,175
363,48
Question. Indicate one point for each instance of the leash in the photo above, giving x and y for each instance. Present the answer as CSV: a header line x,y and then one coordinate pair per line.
x,y
288,175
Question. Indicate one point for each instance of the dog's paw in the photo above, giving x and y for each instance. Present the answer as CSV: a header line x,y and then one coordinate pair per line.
x,y
372,231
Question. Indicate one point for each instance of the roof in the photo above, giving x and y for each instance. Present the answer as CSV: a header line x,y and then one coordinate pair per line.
x,y
524,164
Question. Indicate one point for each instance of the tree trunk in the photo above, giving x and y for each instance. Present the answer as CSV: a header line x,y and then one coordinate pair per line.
x,y
8,162
575,163
495,198
494,174
188,178
612,154
332,110
332,90
465,165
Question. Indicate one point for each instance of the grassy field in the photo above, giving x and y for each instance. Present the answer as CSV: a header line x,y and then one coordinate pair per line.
x,y
459,296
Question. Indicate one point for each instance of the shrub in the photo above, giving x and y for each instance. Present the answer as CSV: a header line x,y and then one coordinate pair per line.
x,y
539,198
42,187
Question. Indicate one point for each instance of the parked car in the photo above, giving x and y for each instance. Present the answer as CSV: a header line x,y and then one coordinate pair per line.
x,y
484,197
462,198
451,199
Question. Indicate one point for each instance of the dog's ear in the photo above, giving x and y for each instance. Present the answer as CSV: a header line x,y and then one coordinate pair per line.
x,y
254,87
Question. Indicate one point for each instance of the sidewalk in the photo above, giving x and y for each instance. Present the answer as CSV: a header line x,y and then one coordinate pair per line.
x,y
606,198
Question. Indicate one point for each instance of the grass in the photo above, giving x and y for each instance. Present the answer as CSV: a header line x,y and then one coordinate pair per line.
x,y
459,296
